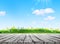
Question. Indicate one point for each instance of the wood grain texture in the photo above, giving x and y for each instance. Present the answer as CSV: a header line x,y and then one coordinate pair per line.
x,y
29,38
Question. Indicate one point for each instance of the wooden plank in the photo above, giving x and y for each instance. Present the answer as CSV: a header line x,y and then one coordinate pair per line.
x,y
44,38
35,40
21,39
2,40
55,38
12,40
28,40
5,36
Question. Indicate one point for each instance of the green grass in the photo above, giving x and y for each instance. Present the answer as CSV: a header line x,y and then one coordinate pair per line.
x,y
27,30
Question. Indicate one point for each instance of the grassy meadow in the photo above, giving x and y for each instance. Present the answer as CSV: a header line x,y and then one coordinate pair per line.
x,y
29,30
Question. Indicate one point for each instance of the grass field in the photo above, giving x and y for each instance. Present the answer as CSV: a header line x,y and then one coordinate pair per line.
x,y
29,30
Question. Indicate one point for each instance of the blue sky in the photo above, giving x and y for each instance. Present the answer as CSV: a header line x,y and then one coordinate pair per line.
x,y
30,13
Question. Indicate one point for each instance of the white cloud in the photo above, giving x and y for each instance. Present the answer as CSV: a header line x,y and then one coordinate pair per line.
x,y
2,13
37,12
49,10
43,11
49,18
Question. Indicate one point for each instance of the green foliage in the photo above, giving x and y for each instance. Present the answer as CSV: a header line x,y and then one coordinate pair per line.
x,y
27,30
4,31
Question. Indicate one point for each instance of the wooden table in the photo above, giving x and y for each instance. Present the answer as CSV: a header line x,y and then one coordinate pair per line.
x,y
29,38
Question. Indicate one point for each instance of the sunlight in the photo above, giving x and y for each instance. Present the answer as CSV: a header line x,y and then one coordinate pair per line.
x,y
45,1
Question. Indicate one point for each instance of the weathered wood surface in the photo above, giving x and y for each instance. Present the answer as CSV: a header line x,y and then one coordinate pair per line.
x,y
29,38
